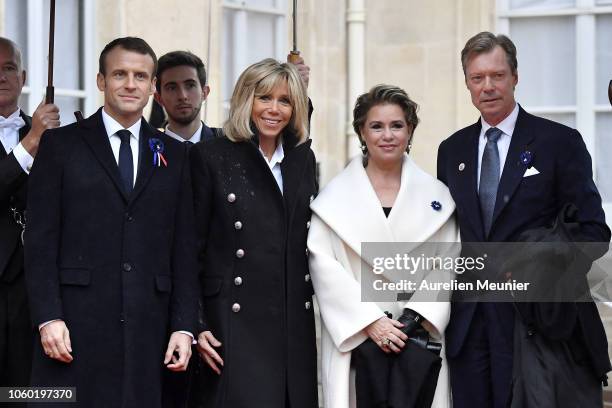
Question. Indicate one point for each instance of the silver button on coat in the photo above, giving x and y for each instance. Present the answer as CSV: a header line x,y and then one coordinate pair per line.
x,y
238,225
237,281
240,253
307,305
236,307
231,197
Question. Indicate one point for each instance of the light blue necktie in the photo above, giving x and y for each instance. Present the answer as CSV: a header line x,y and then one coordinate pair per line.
x,y
489,178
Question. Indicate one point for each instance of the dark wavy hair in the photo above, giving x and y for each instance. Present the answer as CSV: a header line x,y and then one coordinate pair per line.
x,y
382,95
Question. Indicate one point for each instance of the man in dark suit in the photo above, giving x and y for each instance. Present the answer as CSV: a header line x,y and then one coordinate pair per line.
x,y
181,89
508,173
19,138
110,256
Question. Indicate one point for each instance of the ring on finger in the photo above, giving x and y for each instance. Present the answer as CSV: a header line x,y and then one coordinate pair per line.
x,y
385,341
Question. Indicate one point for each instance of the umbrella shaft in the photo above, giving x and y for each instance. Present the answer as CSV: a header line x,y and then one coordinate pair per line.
x,y
50,92
295,25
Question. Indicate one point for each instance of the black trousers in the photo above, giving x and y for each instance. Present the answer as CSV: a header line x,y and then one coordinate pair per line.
x,y
481,374
16,335
176,386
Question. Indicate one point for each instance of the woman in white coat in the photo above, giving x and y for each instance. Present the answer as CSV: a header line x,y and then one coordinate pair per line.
x,y
382,197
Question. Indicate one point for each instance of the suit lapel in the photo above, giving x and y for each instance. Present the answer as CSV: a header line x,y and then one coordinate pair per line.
x,y
292,169
28,125
252,146
467,185
145,160
513,168
351,208
96,138
206,133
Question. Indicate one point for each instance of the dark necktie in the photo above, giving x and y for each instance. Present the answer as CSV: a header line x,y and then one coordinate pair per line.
x,y
489,178
126,161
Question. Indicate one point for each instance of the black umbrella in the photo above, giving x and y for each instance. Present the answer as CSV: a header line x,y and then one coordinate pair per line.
x,y
49,96
50,93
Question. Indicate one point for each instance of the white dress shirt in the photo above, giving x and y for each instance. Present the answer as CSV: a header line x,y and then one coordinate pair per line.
x,y
195,138
275,164
503,143
112,127
9,137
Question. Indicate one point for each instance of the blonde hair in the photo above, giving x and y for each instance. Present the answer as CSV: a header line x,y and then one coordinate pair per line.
x,y
260,79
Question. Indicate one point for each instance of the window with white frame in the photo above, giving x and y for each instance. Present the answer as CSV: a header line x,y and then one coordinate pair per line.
x,y
27,23
252,30
565,65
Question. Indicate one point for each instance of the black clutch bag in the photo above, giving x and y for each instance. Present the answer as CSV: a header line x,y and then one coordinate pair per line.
x,y
416,333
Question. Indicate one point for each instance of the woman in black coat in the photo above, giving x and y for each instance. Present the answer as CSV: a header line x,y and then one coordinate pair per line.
x,y
252,193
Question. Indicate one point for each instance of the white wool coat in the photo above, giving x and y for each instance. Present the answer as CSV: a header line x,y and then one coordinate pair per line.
x,y
345,214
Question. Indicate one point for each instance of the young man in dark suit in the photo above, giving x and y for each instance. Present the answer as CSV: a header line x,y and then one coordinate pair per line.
x,y
110,255
19,138
181,89
508,173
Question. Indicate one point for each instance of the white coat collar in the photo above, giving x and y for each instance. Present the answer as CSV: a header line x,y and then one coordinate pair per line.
x,y
350,207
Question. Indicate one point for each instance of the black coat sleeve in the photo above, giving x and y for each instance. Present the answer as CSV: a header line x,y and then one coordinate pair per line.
x,y
202,200
575,185
185,293
42,236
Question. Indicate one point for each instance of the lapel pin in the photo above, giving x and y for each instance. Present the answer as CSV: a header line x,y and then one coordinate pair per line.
x,y
436,205
526,157
461,166
157,147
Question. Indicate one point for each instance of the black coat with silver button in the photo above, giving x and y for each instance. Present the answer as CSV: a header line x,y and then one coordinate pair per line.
x,y
256,287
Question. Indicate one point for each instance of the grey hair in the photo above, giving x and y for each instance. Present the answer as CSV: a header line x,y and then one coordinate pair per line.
x,y
5,42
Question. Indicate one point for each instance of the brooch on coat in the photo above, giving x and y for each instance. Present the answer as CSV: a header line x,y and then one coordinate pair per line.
x,y
526,157
436,205
157,147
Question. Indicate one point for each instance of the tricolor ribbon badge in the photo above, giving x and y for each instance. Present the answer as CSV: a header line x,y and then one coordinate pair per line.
x,y
157,147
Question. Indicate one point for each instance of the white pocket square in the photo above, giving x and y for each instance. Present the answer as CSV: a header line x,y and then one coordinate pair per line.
x,y
532,171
